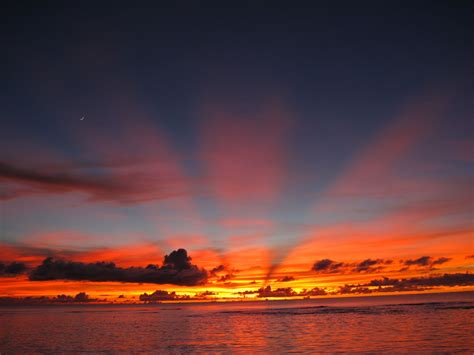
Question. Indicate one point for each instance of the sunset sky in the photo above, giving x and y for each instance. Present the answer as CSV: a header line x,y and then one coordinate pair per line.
x,y
290,152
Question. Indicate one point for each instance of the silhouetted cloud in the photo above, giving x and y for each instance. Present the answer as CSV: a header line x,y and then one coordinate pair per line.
x,y
422,261
313,292
161,295
286,279
371,265
440,261
12,269
217,269
279,292
178,260
204,295
327,266
246,292
353,289
225,278
222,278
285,292
377,285
81,297
425,262
176,269
457,279
410,284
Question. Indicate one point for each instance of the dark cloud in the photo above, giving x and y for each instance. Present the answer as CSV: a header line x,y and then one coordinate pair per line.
x,y
377,285
81,297
313,292
440,261
44,182
107,186
425,262
12,269
470,256
225,278
352,289
286,292
204,295
279,292
327,266
161,295
222,278
450,280
177,270
286,279
178,260
217,269
247,292
410,284
371,265
421,261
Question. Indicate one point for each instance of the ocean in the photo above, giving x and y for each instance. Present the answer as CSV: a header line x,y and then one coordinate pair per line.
x,y
410,323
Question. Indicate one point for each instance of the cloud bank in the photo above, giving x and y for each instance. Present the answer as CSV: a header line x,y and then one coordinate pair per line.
x,y
176,270
12,269
81,297
409,284
328,266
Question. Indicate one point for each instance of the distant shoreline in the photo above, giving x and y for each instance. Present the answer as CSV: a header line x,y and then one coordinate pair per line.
x,y
6,302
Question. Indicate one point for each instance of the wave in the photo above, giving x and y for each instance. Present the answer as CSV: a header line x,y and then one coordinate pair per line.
x,y
378,309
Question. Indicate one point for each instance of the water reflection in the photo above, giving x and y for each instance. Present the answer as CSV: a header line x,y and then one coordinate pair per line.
x,y
305,326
